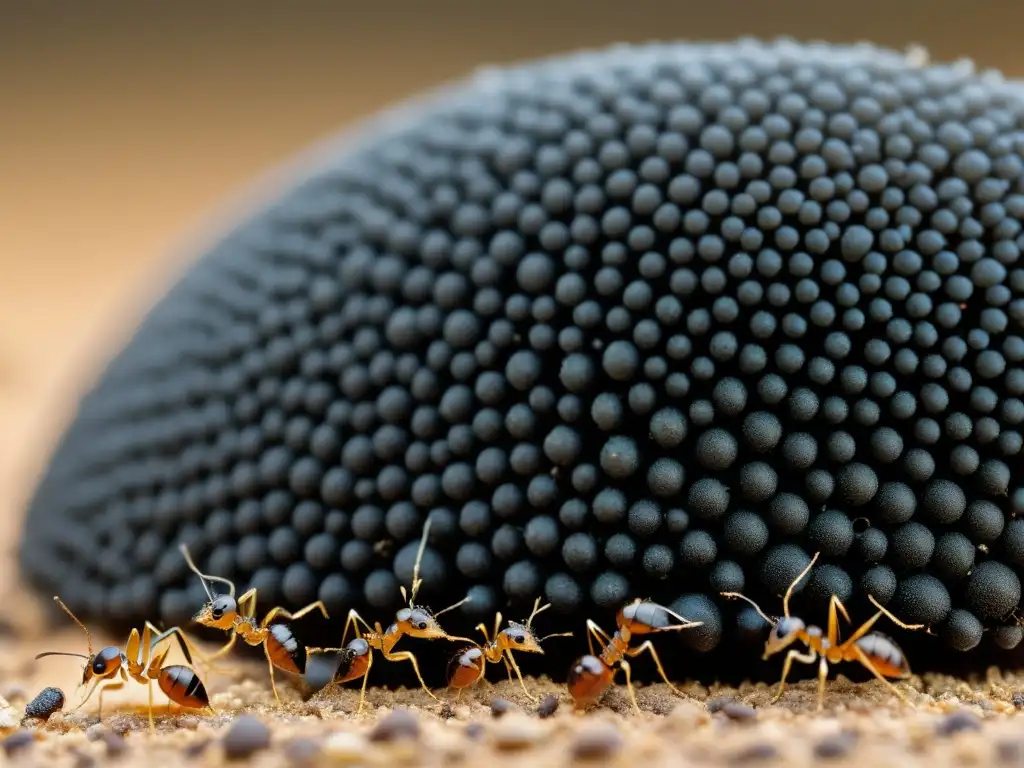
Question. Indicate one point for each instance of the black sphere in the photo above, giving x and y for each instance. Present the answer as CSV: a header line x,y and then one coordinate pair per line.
x,y
651,321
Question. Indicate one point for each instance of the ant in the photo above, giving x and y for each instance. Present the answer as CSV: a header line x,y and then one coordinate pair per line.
x,y
140,663
415,621
468,666
238,618
591,675
877,652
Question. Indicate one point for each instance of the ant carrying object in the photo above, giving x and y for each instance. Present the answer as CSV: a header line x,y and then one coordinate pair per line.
x,y
140,663
415,621
877,652
467,667
591,675
237,617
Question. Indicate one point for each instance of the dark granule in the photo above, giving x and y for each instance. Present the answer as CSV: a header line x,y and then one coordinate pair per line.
x,y
616,322
246,736
399,724
46,702
18,742
500,706
548,706
958,721
839,745
594,742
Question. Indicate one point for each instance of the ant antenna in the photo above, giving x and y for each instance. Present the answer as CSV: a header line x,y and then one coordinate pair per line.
x,y
789,592
62,653
686,623
463,601
416,580
204,578
88,636
762,614
537,608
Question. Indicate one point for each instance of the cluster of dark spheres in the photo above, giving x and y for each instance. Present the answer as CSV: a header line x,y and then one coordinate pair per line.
x,y
656,321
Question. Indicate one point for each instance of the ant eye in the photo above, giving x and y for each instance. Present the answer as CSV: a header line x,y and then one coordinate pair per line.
x,y
421,625
519,638
99,667
217,613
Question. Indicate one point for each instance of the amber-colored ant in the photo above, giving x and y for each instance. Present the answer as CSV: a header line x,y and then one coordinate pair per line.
x,y
877,652
591,675
415,621
237,617
140,663
468,666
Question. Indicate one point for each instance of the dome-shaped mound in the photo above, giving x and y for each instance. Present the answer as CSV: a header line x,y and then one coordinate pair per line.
x,y
656,321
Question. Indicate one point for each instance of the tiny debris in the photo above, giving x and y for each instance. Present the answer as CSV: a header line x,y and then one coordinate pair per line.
x,y
548,706
839,745
475,731
17,741
736,710
46,702
302,751
594,743
95,732
116,744
246,736
196,748
755,753
345,747
1018,700
716,705
500,706
447,711
955,722
400,724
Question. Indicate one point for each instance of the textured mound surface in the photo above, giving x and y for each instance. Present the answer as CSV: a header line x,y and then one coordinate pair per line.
x,y
657,321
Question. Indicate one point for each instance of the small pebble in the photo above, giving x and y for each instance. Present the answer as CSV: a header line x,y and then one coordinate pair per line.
x,y
302,751
500,706
95,732
475,731
246,736
48,701
755,753
548,706
345,746
116,744
594,743
736,710
839,745
196,748
400,724
716,705
17,741
958,721
1011,752
1018,700
517,733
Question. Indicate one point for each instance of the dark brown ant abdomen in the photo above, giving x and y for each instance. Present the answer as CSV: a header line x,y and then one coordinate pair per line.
x,y
885,655
283,649
355,660
588,679
466,668
182,686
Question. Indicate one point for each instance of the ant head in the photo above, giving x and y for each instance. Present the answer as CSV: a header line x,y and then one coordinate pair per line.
x,y
220,612
520,637
785,632
103,665
419,622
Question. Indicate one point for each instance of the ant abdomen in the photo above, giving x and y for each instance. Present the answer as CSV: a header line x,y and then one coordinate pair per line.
x,y
355,661
644,617
588,679
283,649
885,655
183,686
466,667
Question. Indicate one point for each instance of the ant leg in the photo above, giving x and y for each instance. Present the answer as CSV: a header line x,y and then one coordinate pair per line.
x,y
362,690
273,682
822,675
866,661
794,655
149,690
273,613
113,685
834,605
408,656
649,647
595,631
629,683
519,674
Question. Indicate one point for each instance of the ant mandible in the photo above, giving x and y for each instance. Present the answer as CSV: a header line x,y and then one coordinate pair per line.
x,y
140,663
415,621
591,675
467,667
237,617
877,652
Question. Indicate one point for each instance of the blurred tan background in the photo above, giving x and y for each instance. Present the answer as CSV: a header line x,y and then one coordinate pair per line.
x,y
123,126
